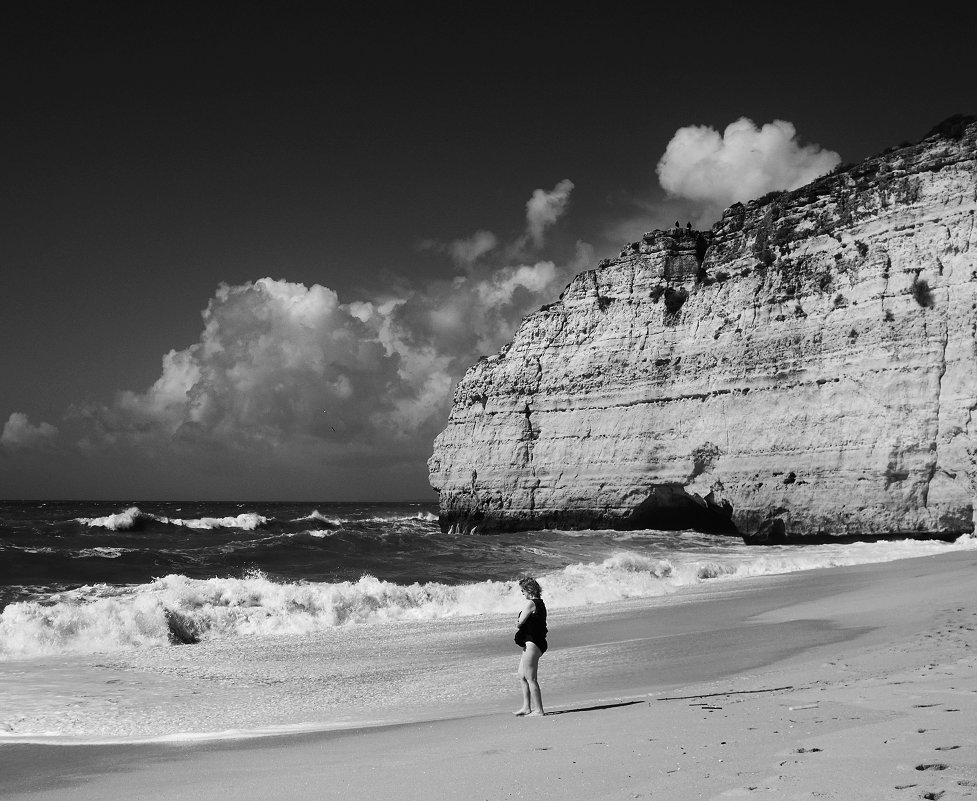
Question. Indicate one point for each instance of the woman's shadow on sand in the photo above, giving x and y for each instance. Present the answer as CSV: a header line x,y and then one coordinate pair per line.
x,y
596,708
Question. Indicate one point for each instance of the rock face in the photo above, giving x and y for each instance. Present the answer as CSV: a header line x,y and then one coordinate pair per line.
x,y
807,369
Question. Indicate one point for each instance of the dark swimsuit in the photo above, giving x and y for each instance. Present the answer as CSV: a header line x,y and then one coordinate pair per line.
x,y
533,628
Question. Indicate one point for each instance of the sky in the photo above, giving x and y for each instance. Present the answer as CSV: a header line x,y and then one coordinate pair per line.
x,y
249,257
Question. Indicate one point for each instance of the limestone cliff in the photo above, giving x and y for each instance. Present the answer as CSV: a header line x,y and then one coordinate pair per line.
x,y
806,369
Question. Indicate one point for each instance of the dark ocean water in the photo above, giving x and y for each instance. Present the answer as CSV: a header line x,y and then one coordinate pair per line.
x,y
95,576
47,547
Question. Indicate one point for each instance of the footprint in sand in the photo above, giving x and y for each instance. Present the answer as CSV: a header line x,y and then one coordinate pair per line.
x,y
946,748
932,766
934,795
806,750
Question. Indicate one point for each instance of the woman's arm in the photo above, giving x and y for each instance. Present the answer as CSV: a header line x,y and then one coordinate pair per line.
x,y
528,609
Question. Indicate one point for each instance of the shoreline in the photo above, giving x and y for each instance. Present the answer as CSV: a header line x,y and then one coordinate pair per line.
x,y
853,640
297,684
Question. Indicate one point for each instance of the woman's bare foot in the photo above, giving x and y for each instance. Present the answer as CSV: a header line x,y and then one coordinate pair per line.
x,y
537,714
522,713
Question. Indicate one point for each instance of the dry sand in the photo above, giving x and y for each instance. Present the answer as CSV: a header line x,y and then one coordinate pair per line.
x,y
847,683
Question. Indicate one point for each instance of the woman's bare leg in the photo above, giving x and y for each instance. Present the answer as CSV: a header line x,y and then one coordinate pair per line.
x,y
526,706
528,667
523,673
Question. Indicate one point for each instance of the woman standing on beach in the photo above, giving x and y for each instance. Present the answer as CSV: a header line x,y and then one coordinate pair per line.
x,y
531,637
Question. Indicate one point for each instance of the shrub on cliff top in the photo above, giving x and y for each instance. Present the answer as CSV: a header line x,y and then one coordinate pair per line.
x,y
952,127
764,199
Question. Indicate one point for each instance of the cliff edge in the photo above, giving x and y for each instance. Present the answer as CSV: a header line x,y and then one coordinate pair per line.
x,y
807,369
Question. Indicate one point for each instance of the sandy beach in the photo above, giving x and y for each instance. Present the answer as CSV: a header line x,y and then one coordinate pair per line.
x,y
848,683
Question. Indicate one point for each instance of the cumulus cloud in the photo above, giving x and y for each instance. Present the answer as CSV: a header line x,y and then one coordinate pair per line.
x,y
544,208
275,360
468,317
744,162
290,389
19,432
282,367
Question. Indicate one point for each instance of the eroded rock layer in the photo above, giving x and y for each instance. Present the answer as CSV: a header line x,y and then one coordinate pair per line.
x,y
806,369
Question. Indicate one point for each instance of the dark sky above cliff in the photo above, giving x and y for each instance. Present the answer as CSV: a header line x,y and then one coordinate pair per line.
x,y
410,183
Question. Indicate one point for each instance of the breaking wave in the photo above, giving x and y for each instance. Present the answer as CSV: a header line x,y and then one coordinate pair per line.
x,y
130,520
177,608
420,517
317,516
247,521
133,519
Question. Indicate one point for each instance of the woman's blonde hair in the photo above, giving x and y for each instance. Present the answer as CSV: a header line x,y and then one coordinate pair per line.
x,y
531,586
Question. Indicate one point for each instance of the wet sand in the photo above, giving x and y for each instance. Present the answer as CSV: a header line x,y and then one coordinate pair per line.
x,y
848,683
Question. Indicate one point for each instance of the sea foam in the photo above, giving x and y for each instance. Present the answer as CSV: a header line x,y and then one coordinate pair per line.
x,y
101,553
178,608
128,520
248,521
317,516
134,519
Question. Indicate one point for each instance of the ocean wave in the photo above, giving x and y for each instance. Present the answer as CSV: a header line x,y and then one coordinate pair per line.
x,y
420,517
177,608
101,553
26,548
73,625
316,515
248,521
712,570
131,519
134,519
